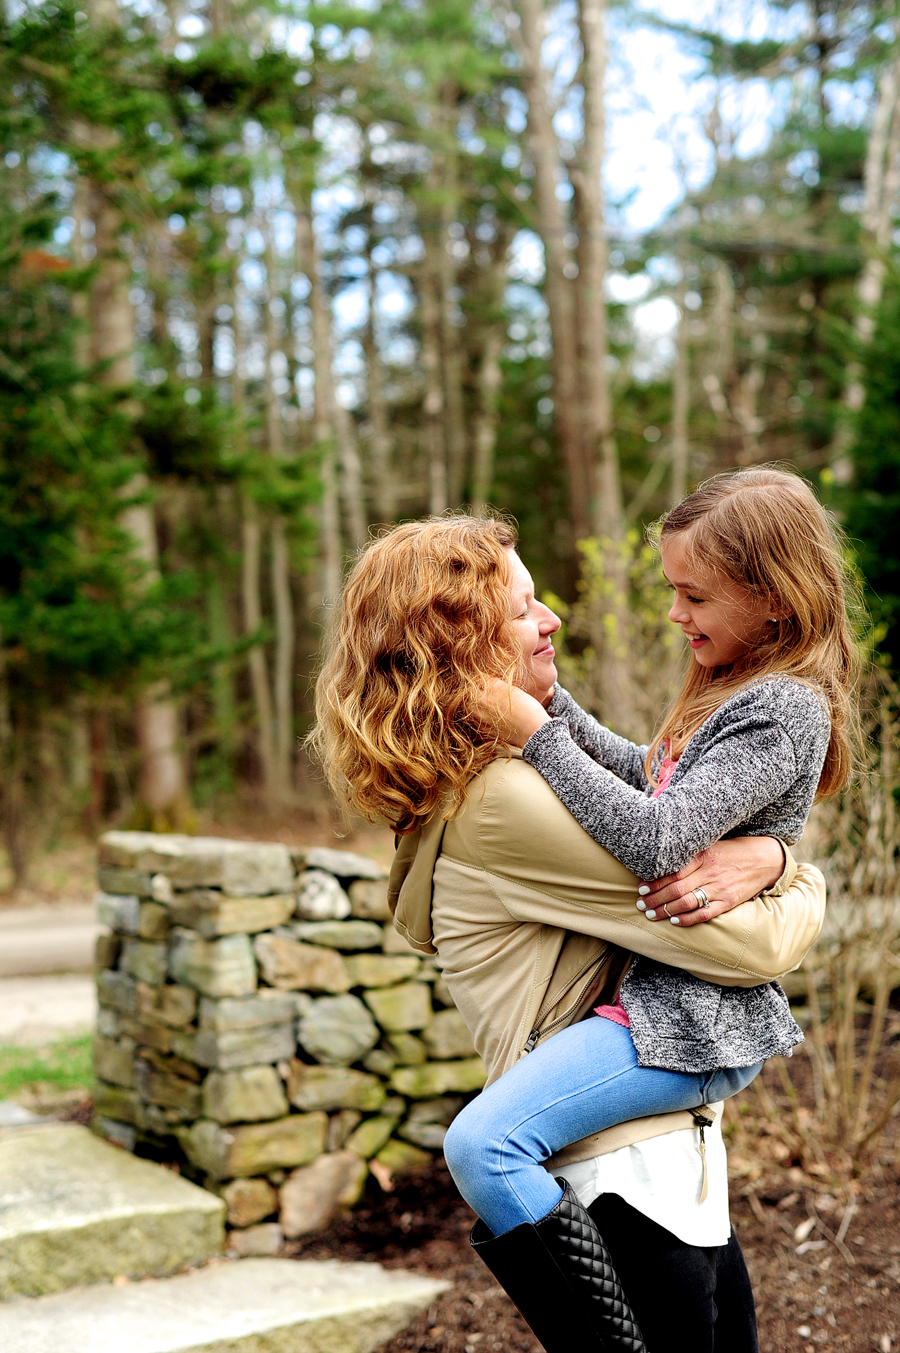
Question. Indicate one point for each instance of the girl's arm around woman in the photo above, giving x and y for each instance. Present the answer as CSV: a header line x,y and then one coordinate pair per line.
x,y
754,764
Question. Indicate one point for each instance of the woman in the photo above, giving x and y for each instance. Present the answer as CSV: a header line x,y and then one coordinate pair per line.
x,y
496,877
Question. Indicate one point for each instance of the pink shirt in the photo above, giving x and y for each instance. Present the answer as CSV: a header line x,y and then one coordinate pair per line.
x,y
617,1013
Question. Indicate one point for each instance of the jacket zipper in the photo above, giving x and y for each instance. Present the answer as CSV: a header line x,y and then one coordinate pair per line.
x,y
539,1033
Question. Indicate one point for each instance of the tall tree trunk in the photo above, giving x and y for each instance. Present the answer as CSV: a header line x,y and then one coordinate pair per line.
x,y
159,267
161,783
162,779
11,798
722,325
273,413
433,401
745,402
110,310
681,399
492,335
552,227
280,557
720,362
221,637
882,180
256,659
451,352
881,185
454,396
330,572
380,442
162,788
251,596
323,419
352,493
484,440
79,752
204,312
595,400
79,299
601,473
220,18
283,613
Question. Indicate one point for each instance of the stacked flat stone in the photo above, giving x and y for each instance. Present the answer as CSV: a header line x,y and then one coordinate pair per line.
x,y
261,1020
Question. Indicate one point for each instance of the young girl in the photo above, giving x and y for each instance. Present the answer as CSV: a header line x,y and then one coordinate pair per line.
x,y
760,728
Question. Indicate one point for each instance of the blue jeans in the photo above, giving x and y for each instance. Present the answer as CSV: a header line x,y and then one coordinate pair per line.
x,y
581,1080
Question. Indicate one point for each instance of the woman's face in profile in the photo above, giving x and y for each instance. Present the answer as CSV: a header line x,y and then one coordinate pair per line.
x,y
535,624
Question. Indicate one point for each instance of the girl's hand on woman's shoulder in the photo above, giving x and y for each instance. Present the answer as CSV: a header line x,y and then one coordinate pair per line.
x,y
715,881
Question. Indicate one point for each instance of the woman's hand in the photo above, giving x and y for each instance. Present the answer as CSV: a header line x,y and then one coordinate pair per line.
x,y
519,713
729,873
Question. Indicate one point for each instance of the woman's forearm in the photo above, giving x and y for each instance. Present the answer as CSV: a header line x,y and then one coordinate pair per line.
x,y
728,874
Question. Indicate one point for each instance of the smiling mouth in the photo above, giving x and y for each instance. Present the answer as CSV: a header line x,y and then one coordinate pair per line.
x,y
543,652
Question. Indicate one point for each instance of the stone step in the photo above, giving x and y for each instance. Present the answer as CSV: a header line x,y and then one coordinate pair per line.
x,y
75,1210
13,1115
243,1306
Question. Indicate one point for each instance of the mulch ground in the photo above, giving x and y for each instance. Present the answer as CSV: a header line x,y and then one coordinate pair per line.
x,y
824,1297
843,1296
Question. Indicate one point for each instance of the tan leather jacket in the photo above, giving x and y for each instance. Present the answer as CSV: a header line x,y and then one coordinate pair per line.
x,y
530,918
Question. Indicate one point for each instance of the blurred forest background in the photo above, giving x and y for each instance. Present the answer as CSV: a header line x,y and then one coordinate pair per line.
x,y
274,274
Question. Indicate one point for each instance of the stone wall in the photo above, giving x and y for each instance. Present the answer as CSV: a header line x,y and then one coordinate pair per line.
x,y
260,1019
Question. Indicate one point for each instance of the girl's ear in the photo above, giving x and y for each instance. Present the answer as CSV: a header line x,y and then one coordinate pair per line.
x,y
777,611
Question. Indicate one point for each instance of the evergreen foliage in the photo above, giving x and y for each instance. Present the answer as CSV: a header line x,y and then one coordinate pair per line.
x,y
871,505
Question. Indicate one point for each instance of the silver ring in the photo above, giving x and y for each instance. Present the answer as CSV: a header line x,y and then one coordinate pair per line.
x,y
665,907
702,897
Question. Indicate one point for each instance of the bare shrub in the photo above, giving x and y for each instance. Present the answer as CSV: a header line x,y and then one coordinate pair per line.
x,y
830,1116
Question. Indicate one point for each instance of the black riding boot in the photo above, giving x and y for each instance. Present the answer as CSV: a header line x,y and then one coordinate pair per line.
x,y
559,1274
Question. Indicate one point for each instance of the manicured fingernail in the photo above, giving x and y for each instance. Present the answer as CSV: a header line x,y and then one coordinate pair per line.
x,y
650,915
641,906
643,891
674,920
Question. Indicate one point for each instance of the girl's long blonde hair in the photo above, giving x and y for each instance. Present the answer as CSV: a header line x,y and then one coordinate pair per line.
x,y
765,530
421,625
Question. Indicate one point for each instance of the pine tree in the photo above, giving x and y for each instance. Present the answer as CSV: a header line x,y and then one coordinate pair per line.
x,y
871,503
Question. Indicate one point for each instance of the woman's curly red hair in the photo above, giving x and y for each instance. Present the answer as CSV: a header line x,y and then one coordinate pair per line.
x,y
422,625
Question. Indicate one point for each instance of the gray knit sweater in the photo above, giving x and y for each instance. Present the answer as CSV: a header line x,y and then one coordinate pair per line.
x,y
750,770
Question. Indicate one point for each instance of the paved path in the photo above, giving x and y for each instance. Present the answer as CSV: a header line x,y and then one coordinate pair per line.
x,y
47,939
35,1010
46,987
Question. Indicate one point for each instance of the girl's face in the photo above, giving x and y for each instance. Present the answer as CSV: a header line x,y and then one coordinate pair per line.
x,y
721,621
535,624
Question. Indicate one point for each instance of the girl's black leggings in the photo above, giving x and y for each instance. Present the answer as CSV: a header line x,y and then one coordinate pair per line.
x,y
687,1298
